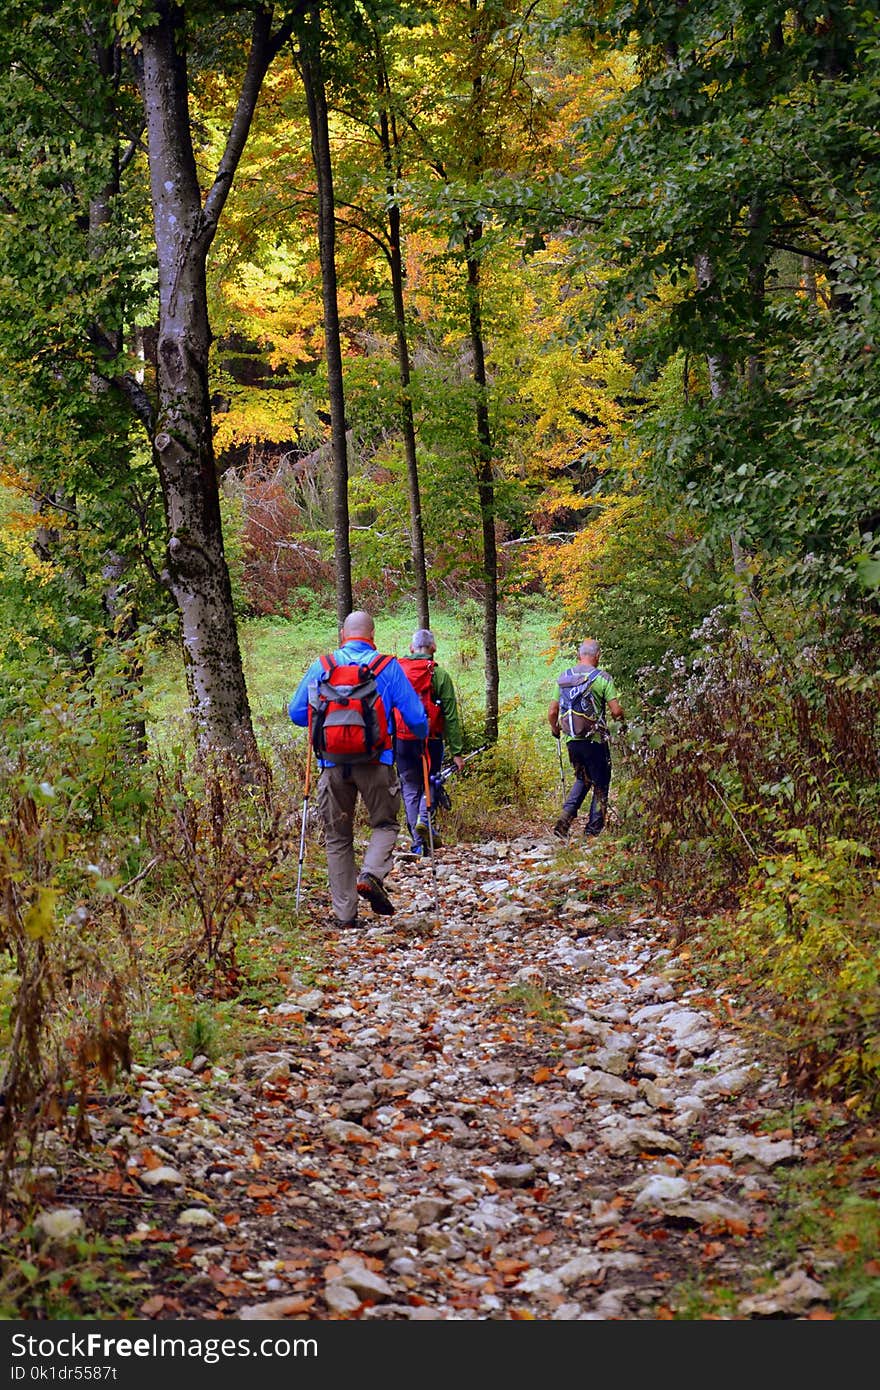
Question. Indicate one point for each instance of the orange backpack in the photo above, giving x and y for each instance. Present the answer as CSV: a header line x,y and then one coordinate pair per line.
x,y
420,673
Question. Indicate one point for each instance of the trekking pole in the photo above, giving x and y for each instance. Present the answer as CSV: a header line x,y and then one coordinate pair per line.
x,y
426,766
561,773
449,769
305,811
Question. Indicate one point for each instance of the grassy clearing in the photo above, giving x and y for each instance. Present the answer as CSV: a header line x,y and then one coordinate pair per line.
x,y
276,652
516,780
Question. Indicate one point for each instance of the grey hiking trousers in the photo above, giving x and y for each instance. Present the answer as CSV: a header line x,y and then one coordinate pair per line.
x,y
378,786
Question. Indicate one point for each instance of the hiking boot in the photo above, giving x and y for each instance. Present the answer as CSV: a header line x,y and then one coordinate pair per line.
x,y
428,837
562,827
369,887
336,924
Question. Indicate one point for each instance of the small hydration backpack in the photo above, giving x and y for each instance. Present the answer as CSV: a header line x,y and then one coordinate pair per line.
x,y
420,673
579,713
348,720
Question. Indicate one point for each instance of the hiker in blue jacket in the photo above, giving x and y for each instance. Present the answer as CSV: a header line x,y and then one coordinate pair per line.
x,y
376,781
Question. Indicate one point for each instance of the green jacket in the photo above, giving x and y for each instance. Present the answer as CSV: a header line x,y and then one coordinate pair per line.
x,y
444,693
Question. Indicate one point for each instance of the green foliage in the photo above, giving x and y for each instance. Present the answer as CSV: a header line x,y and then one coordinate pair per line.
x,y
742,151
537,1002
87,1278
220,847
806,929
75,732
636,579
74,278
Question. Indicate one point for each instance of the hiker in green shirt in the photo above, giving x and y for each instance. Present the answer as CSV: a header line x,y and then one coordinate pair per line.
x,y
435,689
586,695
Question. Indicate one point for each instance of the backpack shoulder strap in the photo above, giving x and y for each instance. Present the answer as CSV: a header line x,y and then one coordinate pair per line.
x,y
329,663
378,663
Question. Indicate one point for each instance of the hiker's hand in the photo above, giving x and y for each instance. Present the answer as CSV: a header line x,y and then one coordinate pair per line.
x,y
458,760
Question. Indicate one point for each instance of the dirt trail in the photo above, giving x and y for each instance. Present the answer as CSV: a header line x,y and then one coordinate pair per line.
x,y
518,1107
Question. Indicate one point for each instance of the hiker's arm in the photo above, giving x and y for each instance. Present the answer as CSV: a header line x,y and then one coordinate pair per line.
x,y
553,717
298,709
444,694
616,709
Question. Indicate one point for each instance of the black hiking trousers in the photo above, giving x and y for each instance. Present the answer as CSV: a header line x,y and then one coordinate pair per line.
x,y
591,762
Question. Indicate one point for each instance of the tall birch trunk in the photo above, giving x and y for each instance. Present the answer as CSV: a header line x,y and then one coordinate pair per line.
x,y
196,571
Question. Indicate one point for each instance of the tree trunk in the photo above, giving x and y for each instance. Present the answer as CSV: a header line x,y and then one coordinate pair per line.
x,y
312,72
486,485
417,534
718,369
196,571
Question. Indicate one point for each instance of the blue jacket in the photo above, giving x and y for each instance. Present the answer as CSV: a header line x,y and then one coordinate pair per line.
x,y
394,687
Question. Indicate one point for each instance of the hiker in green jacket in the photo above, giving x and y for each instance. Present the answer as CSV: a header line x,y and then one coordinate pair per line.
x,y
586,695
435,689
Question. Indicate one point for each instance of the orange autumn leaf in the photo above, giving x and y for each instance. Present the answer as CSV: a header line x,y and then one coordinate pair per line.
x,y
513,1132
152,1305
299,1305
409,1131
262,1189
541,1074
738,1228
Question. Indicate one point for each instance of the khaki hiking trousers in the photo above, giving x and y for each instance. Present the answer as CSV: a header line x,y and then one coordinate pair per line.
x,y
378,786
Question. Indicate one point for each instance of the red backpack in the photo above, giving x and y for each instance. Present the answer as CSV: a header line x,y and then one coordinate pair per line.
x,y
348,721
420,673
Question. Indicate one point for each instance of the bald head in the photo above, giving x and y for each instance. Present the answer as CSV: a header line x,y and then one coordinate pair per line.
x,y
588,652
358,624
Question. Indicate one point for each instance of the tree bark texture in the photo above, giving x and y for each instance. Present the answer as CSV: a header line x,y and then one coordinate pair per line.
x,y
395,256
196,570
311,68
486,486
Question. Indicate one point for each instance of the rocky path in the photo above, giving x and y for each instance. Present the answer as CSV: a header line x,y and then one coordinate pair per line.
x,y
518,1108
